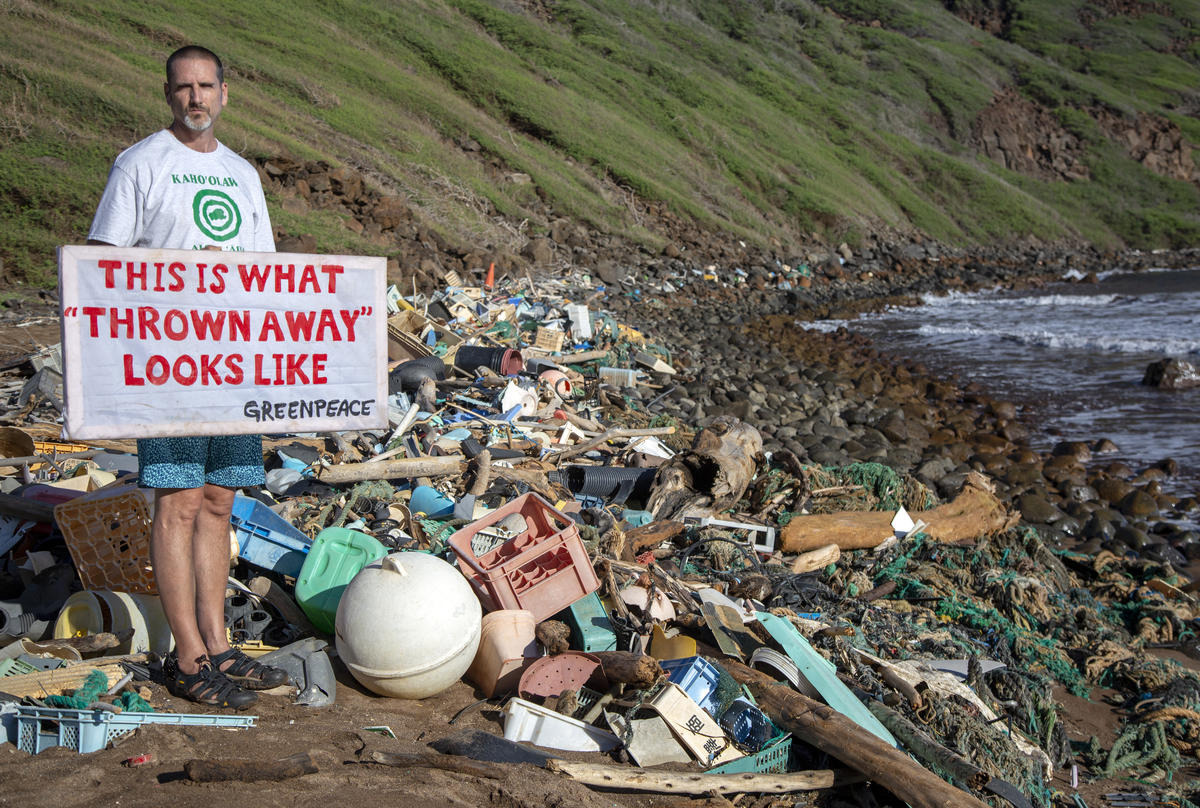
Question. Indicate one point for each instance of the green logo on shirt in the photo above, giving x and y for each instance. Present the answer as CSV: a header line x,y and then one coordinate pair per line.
x,y
216,215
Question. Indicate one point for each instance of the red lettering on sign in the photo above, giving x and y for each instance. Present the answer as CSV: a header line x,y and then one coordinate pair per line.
x,y
185,371
233,363
270,323
253,275
176,269
218,282
282,275
130,379
331,272
239,325
318,368
307,277
115,321
295,368
110,268
300,324
327,322
147,322
175,325
93,313
158,369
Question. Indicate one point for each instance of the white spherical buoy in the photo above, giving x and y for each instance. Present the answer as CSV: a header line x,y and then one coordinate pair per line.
x,y
408,625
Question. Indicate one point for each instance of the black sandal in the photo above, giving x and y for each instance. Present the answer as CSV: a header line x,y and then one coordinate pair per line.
x,y
249,673
210,686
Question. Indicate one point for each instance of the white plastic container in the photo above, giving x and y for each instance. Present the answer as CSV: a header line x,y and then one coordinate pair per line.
x,y
408,626
541,726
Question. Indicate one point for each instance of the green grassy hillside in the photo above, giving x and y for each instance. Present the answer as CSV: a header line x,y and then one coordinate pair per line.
x,y
765,119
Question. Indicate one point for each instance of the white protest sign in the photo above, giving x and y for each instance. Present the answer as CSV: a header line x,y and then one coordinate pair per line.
x,y
198,342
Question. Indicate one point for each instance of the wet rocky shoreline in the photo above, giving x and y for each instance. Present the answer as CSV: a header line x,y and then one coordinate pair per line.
x,y
834,399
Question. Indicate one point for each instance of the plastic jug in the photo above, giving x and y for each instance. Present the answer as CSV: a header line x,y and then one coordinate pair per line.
x,y
336,556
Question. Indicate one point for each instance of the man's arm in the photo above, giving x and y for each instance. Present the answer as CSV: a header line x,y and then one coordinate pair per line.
x,y
118,221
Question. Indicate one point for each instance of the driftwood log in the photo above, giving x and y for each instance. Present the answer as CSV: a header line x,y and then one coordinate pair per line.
x,y
830,731
716,471
816,559
248,770
404,467
927,750
975,512
635,779
433,760
627,668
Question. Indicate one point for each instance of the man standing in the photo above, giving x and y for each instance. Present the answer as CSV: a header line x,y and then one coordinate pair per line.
x,y
181,188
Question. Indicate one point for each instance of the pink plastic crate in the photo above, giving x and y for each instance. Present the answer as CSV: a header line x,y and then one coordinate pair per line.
x,y
543,569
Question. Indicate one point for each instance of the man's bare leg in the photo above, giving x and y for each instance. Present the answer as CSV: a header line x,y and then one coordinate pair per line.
x,y
172,552
210,553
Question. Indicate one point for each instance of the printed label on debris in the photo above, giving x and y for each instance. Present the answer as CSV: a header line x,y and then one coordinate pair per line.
x,y
185,342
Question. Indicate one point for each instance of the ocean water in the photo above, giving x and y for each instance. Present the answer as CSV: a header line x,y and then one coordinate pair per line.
x,y
1073,355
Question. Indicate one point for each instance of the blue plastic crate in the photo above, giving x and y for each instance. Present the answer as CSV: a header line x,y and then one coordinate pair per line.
x,y
40,728
591,630
267,540
697,676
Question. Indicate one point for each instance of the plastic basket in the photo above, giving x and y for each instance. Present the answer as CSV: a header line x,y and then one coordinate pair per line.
x,y
107,533
697,676
40,728
267,540
543,569
548,339
16,667
772,759
591,629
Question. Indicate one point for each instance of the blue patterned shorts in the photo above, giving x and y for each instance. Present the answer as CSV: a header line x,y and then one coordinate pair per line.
x,y
232,461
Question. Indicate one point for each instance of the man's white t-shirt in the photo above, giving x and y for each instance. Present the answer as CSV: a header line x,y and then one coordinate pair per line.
x,y
162,194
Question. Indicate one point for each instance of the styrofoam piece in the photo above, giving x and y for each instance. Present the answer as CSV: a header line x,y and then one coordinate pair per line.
x,y
764,536
694,728
651,742
541,726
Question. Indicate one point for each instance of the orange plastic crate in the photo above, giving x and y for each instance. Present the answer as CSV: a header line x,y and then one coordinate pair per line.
x,y
107,532
543,569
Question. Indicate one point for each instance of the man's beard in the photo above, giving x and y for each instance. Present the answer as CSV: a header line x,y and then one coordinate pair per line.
x,y
200,125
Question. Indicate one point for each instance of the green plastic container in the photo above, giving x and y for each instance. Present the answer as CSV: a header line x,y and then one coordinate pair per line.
x,y
336,556
591,630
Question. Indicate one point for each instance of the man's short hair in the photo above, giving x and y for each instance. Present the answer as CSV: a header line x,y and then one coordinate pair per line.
x,y
195,52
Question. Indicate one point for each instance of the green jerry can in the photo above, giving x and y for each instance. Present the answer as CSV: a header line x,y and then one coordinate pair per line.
x,y
336,556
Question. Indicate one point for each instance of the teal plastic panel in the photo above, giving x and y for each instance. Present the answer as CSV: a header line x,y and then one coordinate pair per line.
x,y
822,675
